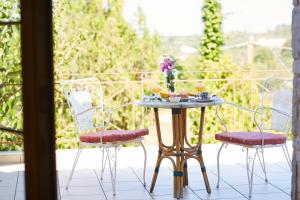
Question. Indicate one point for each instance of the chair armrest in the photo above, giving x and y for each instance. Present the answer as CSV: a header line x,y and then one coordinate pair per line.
x,y
105,109
122,106
240,107
126,105
260,110
93,108
109,111
232,105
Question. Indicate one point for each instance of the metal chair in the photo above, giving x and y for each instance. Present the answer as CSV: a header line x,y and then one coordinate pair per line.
x,y
273,121
91,119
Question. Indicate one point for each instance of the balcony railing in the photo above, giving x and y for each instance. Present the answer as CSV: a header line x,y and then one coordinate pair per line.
x,y
241,86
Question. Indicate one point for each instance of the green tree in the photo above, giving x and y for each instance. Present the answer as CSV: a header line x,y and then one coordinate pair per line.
x,y
94,40
264,58
89,38
10,73
212,38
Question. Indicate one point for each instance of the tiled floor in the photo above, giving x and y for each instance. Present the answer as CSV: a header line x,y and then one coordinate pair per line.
x,y
86,184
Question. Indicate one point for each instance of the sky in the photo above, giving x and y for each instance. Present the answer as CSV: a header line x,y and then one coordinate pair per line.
x,y
183,17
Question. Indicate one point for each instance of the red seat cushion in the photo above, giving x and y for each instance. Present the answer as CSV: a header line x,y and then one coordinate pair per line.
x,y
113,135
251,138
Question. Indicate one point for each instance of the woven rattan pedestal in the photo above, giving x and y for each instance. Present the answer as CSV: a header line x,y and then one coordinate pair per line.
x,y
180,150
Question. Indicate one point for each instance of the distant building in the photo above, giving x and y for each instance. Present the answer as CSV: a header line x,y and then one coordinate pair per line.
x,y
187,50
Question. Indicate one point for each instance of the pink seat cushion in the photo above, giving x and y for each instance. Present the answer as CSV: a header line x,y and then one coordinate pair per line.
x,y
113,135
251,138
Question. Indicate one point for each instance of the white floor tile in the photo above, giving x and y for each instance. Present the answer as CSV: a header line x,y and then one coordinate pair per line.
x,y
81,191
258,189
87,197
86,185
273,196
186,196
20,196
219,194
129,195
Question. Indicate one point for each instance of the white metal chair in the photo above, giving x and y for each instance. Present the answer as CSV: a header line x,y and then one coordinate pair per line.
x,y
85,100
273,121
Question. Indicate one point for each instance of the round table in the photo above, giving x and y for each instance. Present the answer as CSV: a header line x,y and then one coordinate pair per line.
x,y
181,149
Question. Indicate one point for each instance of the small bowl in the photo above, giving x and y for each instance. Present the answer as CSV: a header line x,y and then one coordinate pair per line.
x,y
174,99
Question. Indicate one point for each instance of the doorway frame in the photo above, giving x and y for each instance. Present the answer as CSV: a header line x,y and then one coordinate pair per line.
x,y
38,99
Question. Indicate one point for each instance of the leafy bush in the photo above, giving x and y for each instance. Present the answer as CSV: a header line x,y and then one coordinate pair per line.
x,y
212,38
10,74
92,40
226,81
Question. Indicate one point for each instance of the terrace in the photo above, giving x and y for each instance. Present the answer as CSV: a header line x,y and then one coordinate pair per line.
x,y
86,183
236,85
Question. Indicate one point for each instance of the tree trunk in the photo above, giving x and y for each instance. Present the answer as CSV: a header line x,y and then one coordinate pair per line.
x,y
295,195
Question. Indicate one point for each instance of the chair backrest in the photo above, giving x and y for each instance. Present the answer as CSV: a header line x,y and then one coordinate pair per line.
x,y
278,95
79,102
83,96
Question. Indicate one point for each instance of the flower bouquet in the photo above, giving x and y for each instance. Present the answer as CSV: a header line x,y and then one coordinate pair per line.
x,y
170,68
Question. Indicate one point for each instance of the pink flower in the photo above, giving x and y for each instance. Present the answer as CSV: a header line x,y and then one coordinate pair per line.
x,y
168,64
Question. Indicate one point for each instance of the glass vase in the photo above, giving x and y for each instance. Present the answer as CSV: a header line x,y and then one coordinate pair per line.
x,y
171,86
170,79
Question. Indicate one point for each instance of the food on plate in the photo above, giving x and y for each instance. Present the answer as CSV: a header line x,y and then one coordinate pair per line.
x,y
183,94
164,95
173,94
167,95
156,89
191,94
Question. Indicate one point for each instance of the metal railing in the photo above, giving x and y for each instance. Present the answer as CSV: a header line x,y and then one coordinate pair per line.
x,y
241,87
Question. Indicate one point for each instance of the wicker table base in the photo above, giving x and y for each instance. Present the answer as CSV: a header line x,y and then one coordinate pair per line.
x,y
178,153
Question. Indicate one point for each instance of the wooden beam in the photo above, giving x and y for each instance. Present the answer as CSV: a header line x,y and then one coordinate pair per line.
x,y
38,101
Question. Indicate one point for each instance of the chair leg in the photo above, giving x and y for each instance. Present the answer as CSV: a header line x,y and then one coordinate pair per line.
x,y
113,169
250,169
218,164
104,159
74,165
287,155
145,162
58,187
262,163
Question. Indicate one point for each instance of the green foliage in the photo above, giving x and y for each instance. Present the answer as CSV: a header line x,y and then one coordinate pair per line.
x,y
89,40
224,79
10,10
212,38
10,73
92,40
265,57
